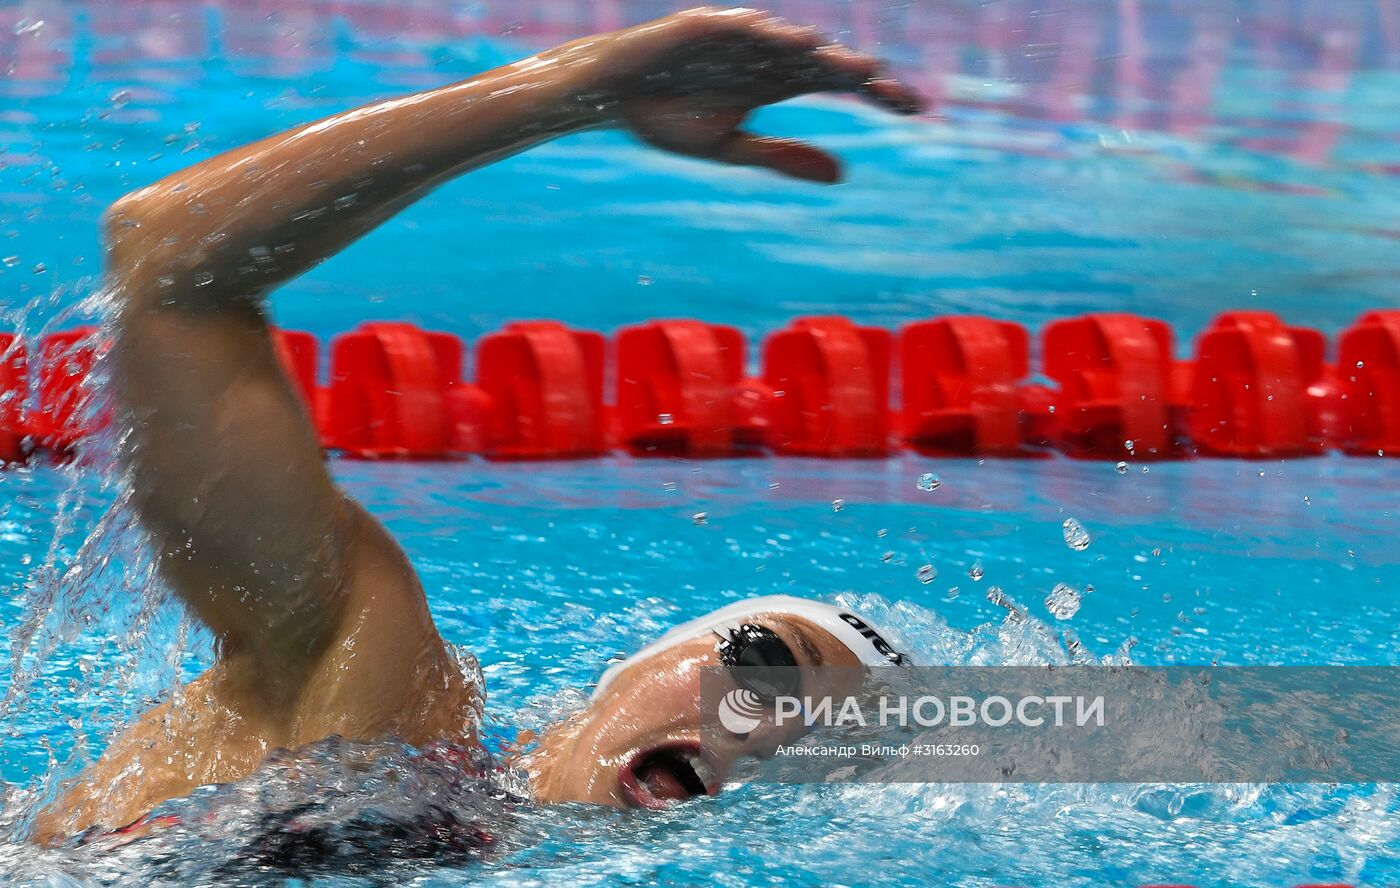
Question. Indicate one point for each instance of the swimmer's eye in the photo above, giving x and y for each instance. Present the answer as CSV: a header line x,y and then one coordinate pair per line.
x,y
760,662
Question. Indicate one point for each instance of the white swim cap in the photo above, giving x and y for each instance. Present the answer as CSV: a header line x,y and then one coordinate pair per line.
x,y
858,636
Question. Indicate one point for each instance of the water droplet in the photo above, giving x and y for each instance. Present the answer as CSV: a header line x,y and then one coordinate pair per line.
x,y
203,279
700,517
1128,445
665,419
644,280
25,27
996,595
40,268
929,481
1063,601
1360,364
1121,468
976,571
10,261
927,574
882,533
120,98
1307,500
837,505
952,593
1076,537
887,557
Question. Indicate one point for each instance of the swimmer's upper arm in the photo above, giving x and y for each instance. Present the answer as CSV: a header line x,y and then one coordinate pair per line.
x,y
226,469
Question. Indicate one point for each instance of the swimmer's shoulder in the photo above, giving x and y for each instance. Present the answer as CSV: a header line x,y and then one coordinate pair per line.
x,y
387,671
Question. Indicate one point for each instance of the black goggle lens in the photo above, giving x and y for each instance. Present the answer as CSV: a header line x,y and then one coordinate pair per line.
x,y
760,662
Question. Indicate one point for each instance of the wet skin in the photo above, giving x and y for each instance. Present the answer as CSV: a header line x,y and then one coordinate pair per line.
x,y
320,622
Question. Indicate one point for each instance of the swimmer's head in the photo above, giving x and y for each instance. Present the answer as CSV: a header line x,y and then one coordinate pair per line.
x,y
640,743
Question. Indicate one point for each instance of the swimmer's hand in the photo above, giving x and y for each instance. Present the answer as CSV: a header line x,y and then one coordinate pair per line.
x,y
687,82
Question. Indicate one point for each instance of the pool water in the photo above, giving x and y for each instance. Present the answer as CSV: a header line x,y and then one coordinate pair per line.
x,y
1168,158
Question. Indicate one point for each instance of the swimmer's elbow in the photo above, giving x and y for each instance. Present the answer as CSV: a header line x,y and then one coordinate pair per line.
x,y
129,215
151,258
129,232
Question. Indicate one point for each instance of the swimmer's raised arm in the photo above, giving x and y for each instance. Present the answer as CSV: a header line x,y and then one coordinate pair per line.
x,y
227,466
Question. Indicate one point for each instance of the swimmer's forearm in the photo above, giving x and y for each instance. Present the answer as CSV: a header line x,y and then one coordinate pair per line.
x,y
244,221
255,216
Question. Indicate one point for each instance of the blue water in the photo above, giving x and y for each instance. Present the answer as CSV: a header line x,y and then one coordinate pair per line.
x,y
1171,158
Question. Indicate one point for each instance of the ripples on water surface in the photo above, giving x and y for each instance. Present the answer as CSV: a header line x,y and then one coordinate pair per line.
x,y
1171,158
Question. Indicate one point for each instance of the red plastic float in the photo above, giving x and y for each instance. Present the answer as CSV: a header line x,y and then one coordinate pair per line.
x,y
63,417
961,385
830,382
544,385
14,376
681,390
1256,388
1368,368
394,393
1115,376
296,351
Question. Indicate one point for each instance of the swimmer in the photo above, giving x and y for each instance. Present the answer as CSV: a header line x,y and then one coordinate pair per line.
x,y
321,624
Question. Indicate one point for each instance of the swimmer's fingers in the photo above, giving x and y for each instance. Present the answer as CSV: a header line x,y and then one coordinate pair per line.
x,y
839,69
818,65
787,156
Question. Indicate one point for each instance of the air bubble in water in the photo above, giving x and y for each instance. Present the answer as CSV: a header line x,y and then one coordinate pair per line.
x,y
1076,537
927,574
1063,601
929,481
203,279
700,517
25,27
10,261
1121,468
665,419
976,571
887,557
837,505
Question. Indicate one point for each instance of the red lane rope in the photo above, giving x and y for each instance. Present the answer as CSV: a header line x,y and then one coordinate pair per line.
x,y
1254,388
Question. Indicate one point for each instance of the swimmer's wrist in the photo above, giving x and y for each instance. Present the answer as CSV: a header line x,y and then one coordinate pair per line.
x,y
586,100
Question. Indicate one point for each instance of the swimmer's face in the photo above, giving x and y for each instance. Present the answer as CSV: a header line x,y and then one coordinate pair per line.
x,y
641,743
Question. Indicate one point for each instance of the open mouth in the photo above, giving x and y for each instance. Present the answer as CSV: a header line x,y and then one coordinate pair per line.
x,y
667,775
